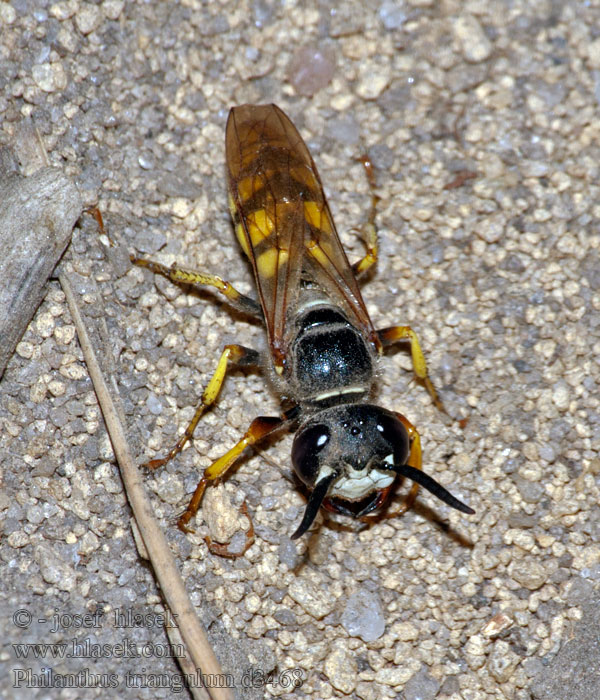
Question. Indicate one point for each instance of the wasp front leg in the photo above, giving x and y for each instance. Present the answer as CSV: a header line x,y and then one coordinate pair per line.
x,y
239,356
414,460
389,336
259,429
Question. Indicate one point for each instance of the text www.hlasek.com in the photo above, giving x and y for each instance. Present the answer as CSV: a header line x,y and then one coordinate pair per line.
x,y
86,649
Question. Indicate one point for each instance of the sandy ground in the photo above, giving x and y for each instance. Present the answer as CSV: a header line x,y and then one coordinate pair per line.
x,y
482,121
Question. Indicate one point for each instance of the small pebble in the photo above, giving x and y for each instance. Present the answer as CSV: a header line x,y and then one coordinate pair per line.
x,y
88,18
363,616
474,44
311,69
421,686
340,668
316,602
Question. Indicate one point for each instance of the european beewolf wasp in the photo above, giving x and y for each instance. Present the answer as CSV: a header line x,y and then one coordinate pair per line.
x,y
323,346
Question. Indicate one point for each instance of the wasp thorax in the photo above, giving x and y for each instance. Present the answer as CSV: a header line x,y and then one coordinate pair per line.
x,y
331,359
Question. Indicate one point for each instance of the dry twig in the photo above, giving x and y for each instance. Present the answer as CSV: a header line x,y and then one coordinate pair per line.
x,y
155,542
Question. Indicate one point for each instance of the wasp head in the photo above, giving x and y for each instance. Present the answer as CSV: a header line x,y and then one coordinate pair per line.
x,y
354,451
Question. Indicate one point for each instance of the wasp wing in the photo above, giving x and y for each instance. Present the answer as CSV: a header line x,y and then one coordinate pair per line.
x,y
283,222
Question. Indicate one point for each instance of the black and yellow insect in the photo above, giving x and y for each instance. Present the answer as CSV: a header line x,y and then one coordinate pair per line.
x,y
323,346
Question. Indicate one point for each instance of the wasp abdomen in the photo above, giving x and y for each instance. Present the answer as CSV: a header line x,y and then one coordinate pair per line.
x,y
331,359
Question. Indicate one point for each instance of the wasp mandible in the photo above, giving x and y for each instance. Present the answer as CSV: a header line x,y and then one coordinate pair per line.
x,y
323,347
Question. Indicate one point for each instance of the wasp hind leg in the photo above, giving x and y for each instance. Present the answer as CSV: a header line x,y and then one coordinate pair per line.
x,y
369,232
389,336
182,275
369,235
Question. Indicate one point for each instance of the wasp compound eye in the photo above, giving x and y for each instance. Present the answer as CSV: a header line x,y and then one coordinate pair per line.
x,y
306,452
395,435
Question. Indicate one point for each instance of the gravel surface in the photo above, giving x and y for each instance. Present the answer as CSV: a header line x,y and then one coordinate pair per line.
x,y
482,121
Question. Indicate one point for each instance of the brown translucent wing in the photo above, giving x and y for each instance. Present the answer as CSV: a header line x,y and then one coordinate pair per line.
x,y
283,222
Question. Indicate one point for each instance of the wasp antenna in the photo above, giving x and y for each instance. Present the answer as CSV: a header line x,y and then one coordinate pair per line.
x,y
432,486
314,503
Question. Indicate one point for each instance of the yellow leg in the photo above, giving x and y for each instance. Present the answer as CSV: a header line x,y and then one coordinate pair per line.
x,y
259,428
369,231
388,336
183,275
414,460
232,354
370,258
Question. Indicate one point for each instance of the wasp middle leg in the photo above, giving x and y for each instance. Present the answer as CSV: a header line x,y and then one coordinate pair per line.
x,y
389,336
236,355
240,356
